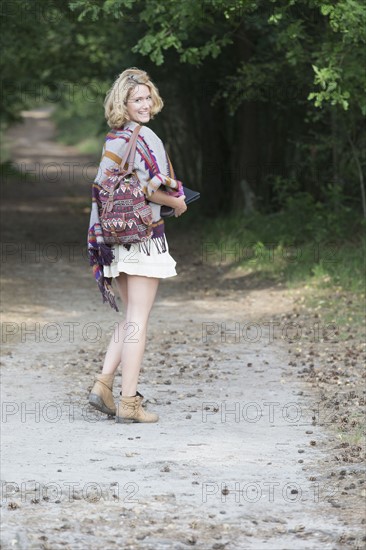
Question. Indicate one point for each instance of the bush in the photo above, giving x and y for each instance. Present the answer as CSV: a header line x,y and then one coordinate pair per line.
x,y
306,241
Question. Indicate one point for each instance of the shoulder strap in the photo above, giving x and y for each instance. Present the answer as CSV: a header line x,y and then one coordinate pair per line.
x,y
129,155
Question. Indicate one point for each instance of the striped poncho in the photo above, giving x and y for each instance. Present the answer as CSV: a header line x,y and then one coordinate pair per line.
x,y
153,169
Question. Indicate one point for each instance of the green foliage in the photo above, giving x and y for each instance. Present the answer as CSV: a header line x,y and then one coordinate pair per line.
x,y
277,81
341,55
327,36
328,79
118,9
195,30
305,242
45,48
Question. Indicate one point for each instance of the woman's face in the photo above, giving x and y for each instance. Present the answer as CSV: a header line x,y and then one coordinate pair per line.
x,y
139,104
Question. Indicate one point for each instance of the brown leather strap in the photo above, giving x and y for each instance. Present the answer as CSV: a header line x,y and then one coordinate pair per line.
x,y
133,152
129,155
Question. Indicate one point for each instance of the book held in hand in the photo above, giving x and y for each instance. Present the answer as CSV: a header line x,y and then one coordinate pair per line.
x,y
191,196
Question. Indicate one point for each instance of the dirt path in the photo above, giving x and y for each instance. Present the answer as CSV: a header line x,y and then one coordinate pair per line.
x,y
230,465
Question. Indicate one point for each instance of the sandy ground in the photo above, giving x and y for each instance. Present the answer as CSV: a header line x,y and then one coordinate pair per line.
x,y
238,457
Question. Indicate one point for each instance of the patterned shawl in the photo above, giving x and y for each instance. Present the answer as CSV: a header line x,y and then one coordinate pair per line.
x,y
153,168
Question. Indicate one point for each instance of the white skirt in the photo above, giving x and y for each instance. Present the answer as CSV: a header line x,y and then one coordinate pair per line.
x,y
137,262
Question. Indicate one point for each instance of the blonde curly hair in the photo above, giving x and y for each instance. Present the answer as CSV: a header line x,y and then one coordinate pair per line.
x,y
115,103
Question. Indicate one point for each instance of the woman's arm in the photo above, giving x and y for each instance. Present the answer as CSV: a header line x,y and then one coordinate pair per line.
x,y
163,198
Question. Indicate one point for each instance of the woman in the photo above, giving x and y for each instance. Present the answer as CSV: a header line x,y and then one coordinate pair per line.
x,y
137,268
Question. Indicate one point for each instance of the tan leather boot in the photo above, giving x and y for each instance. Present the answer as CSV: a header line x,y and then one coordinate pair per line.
x,y
129,409
101,396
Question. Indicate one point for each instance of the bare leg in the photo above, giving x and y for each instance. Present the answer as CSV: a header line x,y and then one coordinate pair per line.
x,y
141,292
112,358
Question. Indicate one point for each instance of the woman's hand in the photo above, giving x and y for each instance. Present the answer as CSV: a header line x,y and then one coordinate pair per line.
x,y
168,199
180,206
